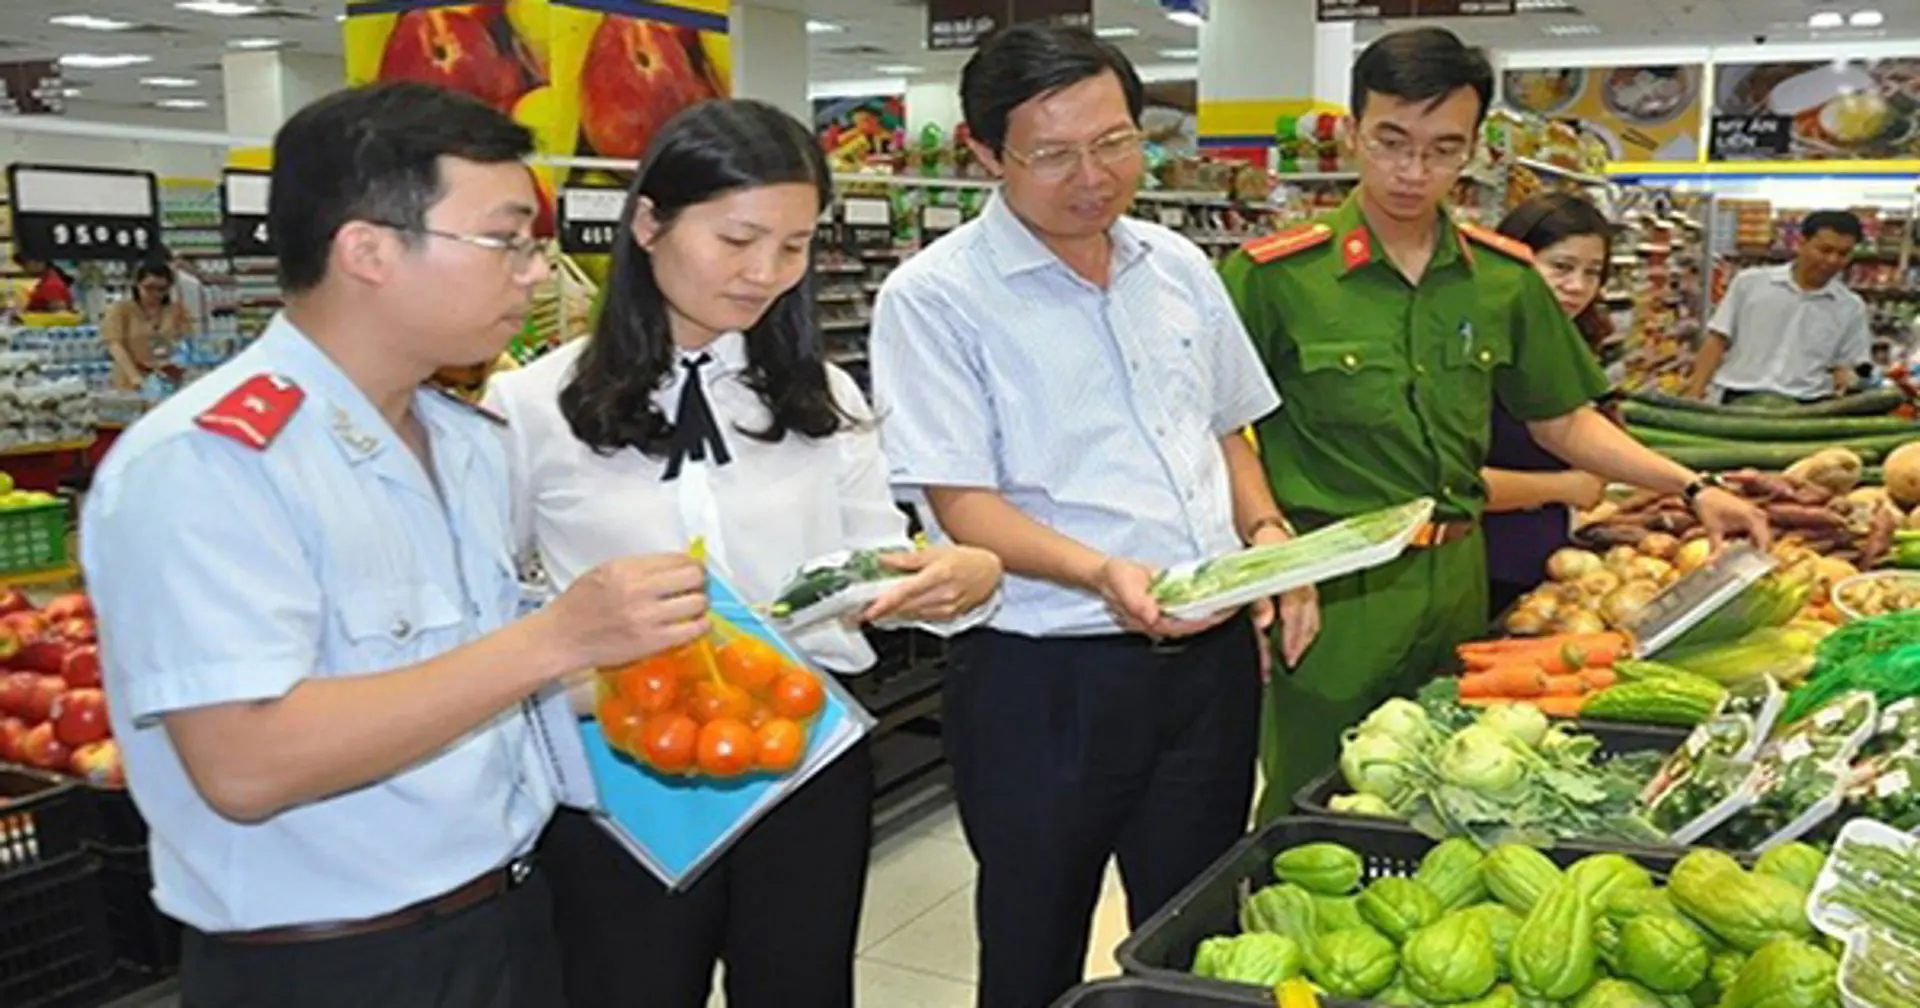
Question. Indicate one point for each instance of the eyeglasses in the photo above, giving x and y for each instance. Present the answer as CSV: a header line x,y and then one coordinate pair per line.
x,y
1448,155
1056,163
523,251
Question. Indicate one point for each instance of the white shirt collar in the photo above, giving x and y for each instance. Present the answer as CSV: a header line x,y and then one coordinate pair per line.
x,y
1783,275
728,354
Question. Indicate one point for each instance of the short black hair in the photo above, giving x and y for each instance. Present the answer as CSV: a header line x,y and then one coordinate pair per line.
x,y
373,154
1031,59
1840,222
1421,65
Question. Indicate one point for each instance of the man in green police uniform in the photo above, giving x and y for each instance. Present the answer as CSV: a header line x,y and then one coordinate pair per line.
x,y
1390,330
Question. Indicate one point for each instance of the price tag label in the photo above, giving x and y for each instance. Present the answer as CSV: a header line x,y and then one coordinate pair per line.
x,y
867,212
1892,783
243,213
941,219
591,218
1173,217
1795,749
75,213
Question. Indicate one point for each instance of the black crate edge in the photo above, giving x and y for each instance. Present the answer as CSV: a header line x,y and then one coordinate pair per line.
x,y
54,948
53,819
1134,992
142,937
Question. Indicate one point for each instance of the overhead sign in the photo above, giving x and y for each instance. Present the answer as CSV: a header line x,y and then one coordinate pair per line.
x,y
76,213
32,88
1762,136
963,24
591,218
243,212
1368,10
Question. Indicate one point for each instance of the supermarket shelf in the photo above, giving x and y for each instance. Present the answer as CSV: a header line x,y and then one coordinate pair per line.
x,y
846,325
1542,167
55,575
914,182
47,449
1321,176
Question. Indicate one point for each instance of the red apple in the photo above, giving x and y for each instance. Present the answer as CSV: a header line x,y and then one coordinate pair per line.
x,y
11,601
99,763
15,690
12,732
75,631
41,748
638,74
80,716
69,607
82,666
25,624
41,698
47,655
452,48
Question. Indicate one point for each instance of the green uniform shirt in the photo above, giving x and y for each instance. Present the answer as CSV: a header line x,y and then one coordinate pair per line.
x,y
1389,387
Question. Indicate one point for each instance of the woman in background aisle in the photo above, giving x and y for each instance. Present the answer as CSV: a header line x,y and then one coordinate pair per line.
x,y
140,331
1530,493
701,406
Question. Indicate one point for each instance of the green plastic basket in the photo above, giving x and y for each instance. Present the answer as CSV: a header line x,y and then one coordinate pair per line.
x,y
33,538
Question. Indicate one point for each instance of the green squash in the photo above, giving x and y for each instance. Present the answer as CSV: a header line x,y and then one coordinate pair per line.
x,y
1555,956
1452,871
1338,913
1261,960
1355,963
1284,909
1501,925
1601,876
1325,868
1795,862
1745,910
1663,954
1397,907
1518,875
1449,960
1785,973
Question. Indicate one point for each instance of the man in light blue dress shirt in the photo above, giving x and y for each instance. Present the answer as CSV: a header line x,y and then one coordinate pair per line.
x,y
308,603
1069,388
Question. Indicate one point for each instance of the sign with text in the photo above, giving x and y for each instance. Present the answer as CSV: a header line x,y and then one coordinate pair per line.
x,y
590,218
31,88
65,212
963,24
1836,109
1760,137
1366,10
243,212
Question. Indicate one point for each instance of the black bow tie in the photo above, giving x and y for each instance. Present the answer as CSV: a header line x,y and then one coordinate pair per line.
x,y
694,429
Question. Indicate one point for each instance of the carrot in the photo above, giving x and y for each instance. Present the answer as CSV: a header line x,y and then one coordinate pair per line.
x,y
1475,686
1534,645
1518,681
1561,706
1487,701
1600,655
1562,661
1481,662
1600,678
1567,685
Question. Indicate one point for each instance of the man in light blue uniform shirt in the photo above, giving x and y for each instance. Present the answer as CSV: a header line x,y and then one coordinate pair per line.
x,y
308,603
1068,388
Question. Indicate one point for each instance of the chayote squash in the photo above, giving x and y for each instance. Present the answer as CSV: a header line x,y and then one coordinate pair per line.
x,y
1501,925
1626,904
1354,963
1338,913
1399,995
1518,875
1795,862
1618,994
1284,909
1325,868
1745,910
1785,973
1451,959
1452,872
1602,875
1503,996
1663,954
1554,955
1725,969
1397,907
1262,960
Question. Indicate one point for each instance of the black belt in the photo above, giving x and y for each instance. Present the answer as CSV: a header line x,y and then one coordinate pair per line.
x,y
489,886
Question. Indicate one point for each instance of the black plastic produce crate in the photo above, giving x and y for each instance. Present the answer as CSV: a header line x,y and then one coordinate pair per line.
x,y
1162,950
42,818
1133,992
119,821
54,949
142,937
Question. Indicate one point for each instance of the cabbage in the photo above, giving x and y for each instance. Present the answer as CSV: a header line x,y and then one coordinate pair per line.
x,y
1483,759
1362,804
1402,720
1376,765
1524,723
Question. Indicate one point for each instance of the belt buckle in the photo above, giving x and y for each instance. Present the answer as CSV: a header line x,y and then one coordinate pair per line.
x,y
518,870
1166,647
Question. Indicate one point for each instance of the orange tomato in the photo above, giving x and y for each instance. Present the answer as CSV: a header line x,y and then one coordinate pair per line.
x,y
668,742
632,679
712,701
797,695
782,744
619,722
650,686
751,663
727,748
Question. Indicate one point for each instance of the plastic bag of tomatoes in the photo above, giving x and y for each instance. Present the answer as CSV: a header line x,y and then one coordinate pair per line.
x,y
728,705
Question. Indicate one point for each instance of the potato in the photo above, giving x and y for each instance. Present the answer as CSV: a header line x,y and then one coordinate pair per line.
x,y
1660,546
1903,474
1599,584
1693,555
1580,621
1526,623
1648,568
1836,469
1620,558
1572,564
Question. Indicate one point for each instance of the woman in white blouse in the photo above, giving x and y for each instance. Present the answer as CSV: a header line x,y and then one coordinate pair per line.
x,y
701,406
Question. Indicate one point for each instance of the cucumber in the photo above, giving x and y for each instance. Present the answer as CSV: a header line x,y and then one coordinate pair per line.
x,y
1742,428
1660,438
1869,403
1776,456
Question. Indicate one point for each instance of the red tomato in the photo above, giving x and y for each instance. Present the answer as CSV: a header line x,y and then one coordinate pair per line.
x,y
651,689
668,742
782,744
728,748
751,663
714,701
797,695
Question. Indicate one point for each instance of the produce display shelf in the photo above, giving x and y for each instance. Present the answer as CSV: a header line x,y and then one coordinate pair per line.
x,y
1162,949
51,575
1544,168
48,448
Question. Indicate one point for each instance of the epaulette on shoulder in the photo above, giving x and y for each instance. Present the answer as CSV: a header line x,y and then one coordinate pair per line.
x,y
1498,242
477,409
1285,243
255,412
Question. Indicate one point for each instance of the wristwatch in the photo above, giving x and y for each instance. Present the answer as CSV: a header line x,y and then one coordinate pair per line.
x,y
1701,484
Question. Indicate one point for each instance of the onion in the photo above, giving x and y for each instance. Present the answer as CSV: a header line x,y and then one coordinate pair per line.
x,y
1619,557
1624,605
1693,556
1649,568
1601,583
1543,604
1524,622
1659,545
1582,622
1571,564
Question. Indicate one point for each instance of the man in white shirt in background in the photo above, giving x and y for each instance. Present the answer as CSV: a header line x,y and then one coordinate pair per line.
x,y
1791,330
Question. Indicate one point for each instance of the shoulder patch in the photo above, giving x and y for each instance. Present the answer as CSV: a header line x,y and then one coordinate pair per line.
x,y
470,405
1498,242
256,412
1285,243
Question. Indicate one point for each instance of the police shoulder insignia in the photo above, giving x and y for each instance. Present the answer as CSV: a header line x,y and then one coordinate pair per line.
x,y
255,412
1498,242
1286,243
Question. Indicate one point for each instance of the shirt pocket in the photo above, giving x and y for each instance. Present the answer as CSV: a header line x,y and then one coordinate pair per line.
x,y
1348,383
387,626
1468,364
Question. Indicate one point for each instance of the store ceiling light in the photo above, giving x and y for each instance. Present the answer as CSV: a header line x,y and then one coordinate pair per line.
x,y
823,28
89,22
899,69
70,92
220,8
1118,31
255,43
98,61
1826,19
1180,54
1186,19
1572,30
1867,19
182,104
169,82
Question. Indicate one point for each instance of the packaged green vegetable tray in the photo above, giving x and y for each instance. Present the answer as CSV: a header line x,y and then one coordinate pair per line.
x,y
834,586
1197,590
